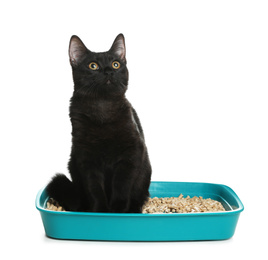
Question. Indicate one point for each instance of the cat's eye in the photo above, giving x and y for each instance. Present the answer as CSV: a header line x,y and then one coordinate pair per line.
x,y
116,65
93,66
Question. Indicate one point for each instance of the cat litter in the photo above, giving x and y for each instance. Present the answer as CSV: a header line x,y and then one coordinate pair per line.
x,y
167,205
54,205
181,205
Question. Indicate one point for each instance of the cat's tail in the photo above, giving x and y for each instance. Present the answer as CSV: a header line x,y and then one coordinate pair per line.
x,y
61,189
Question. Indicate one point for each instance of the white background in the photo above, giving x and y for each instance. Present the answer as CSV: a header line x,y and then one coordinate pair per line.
x,y
198,80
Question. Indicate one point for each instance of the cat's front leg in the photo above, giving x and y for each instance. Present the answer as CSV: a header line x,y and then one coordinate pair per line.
x,y
121,187
95,191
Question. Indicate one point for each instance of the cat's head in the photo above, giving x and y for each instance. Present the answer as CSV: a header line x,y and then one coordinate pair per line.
x,y
99,74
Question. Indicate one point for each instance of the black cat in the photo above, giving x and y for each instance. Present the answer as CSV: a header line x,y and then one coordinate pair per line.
x,y
109,163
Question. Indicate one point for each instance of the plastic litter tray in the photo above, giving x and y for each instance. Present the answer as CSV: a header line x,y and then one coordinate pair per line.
x,y
149,227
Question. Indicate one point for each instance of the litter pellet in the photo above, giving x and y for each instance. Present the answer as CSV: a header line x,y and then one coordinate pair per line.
x,y
54,205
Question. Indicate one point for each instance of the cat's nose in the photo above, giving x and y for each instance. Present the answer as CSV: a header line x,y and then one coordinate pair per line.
x,y
108,71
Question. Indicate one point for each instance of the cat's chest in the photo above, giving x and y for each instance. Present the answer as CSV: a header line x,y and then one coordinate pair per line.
x,y
101,107
103,123
123,130
102,111
106,141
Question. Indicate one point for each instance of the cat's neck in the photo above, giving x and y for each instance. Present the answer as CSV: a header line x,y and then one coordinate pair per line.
x,y
100,109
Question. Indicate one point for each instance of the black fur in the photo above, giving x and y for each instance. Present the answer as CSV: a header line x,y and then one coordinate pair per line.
x,y
109,164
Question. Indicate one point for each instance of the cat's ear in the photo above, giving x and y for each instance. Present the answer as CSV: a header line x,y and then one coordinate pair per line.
x,y
77,50
118,47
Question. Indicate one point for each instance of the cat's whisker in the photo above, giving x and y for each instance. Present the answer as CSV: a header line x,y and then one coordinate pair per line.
x,y
122,85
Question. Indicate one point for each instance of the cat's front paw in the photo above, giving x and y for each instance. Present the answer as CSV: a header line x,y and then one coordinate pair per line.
x,y
100,207
119,206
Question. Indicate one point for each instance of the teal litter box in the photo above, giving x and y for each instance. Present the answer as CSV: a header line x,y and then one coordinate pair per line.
x,y
149,227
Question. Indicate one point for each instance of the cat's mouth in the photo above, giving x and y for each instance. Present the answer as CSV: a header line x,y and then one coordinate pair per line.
x,y
109,80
